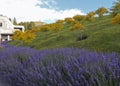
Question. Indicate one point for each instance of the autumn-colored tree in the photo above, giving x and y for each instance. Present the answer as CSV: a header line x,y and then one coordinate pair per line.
x,y
57,27
77,26
116,8
116,19
90,16
69,20
60,21
101,11
24,37
79,17
18,35
29,35
45,28
35,30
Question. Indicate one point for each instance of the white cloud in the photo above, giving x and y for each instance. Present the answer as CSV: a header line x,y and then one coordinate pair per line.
x,y
27,10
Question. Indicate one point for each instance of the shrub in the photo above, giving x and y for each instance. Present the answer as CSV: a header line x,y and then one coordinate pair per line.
x,y
79,17
90,16
76,26
116,19
69,20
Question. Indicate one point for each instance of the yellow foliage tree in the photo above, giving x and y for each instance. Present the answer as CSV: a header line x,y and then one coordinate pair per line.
x,y
60,21
77,26
18,35
57,27
29,35
24,37
90,16
45,28
116,19
69,20
79,17
101,11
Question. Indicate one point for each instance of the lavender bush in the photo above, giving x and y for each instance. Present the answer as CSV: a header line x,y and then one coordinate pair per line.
x,y
58,67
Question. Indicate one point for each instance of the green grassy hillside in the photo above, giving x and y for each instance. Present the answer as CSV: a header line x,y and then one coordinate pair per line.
x,y
101,36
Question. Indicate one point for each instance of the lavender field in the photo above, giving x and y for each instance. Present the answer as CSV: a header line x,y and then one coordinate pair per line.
x,y
23,66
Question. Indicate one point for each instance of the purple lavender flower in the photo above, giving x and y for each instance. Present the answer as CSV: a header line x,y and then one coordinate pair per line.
x,y
23,66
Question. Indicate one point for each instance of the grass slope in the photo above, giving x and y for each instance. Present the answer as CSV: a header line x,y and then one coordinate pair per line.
x,y
102,36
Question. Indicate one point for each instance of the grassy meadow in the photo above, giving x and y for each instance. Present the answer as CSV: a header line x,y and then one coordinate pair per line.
x,y
101,35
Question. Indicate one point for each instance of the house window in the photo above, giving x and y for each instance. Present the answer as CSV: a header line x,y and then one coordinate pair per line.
x,y
0,24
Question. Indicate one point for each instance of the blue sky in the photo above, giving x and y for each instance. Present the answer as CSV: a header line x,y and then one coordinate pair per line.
x,y
49,10
84,5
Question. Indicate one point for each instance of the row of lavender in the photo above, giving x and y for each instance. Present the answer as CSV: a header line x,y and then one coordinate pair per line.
x,y
58,67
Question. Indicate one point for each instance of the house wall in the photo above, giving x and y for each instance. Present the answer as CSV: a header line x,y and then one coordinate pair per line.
x,y
6,24
7,29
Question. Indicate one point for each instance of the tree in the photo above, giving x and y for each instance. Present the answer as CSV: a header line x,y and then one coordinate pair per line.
x,y
90,16
25,24
18,35
79,17
76,26
24,37
57,27
14,21
116,8
45,28
31,25
101,11
29,36
69,20
60,21
116,19
28,25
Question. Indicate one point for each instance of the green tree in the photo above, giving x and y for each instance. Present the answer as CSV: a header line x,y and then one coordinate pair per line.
x,y
31,25
101,11
14,21
116,8
28,25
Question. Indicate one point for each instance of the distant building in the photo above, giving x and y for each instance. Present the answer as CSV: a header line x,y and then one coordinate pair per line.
x,y
7,28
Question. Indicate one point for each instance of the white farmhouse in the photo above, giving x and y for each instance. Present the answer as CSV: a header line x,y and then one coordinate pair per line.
x,y
7,28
